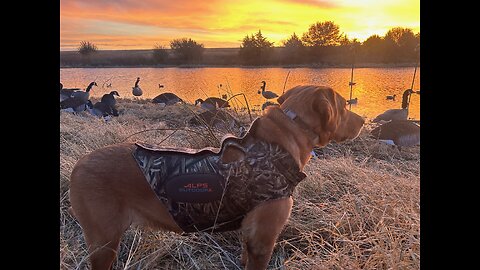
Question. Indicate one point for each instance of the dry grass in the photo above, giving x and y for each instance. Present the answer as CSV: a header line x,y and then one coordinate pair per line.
x,y
359,207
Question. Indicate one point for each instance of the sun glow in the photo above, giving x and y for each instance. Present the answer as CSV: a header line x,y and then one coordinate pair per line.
x,y
128,24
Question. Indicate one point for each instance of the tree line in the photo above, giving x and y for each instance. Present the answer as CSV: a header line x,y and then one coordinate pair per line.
x,y
321,43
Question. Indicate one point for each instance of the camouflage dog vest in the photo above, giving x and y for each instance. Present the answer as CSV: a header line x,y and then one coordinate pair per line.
x,y
203,193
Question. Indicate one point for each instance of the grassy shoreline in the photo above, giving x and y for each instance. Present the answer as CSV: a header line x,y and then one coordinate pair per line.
x,y
359,207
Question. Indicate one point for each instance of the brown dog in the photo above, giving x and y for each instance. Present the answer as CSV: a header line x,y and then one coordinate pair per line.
x,y
109,193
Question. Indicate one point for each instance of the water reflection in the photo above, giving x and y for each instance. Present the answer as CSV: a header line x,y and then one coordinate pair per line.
x,y
371,88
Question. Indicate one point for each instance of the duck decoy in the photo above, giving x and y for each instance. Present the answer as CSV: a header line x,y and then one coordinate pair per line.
x,y
392,97
352,101
136,90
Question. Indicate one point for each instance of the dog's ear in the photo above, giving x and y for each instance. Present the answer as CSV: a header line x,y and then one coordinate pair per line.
x,y
324,107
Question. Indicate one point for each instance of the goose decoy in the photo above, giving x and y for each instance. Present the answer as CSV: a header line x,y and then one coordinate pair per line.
x,y
74,104
267,94
136,90
167,99
212,103
84,95
398,132
396,114
352,101
109,85
109,99
211,106
268,103
391,97
89,106
66,92
160,85
102,109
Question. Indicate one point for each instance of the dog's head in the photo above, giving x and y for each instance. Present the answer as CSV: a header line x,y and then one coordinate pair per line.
x,y
324,111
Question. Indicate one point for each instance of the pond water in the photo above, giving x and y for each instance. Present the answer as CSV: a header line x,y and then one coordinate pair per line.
x,y
371,88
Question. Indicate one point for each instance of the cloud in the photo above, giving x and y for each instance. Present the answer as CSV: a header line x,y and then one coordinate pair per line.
x,y
134,23
316,3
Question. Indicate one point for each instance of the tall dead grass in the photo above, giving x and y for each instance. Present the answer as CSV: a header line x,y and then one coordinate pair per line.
x,y
359,207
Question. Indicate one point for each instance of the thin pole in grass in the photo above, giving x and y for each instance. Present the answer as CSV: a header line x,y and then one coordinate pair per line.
x,y
285,83
417,49
351,83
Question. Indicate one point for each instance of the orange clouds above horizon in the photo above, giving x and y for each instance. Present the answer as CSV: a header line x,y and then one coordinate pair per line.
x,y
130,24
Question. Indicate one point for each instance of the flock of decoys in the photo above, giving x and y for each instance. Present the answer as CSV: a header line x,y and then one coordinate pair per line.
x,y
395,128
76,100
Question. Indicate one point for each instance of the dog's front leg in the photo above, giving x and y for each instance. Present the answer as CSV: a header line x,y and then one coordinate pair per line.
x,y
260,230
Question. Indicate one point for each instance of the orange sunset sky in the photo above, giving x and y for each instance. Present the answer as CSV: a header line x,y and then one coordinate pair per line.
x,y
139,24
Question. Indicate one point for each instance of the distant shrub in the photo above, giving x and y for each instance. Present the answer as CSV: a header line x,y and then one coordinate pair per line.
x,y
295,50
187,50
160,53
87,47
255,50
